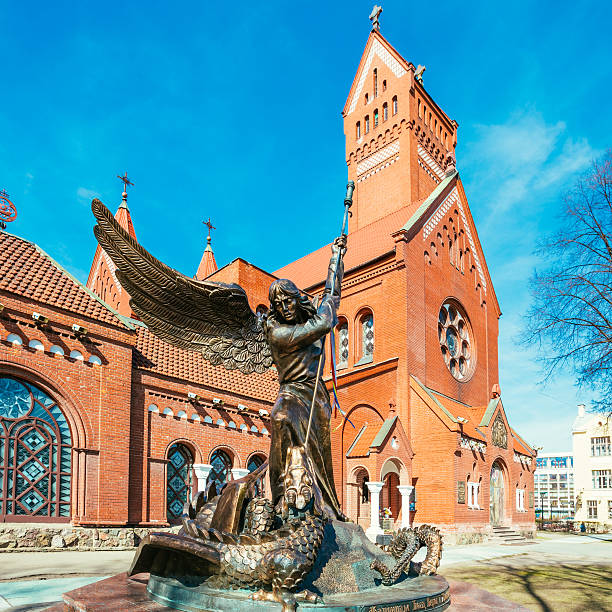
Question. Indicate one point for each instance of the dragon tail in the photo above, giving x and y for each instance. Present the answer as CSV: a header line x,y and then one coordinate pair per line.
x,y
430,537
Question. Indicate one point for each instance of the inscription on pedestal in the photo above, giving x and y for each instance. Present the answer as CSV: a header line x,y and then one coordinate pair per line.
x,y
428,603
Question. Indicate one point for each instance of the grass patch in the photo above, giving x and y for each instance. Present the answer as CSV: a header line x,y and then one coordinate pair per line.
x,y
546,588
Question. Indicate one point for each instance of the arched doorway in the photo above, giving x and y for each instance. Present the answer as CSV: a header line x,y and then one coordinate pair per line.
x,y
390,494
179,479
362,503
35,454
221,468
498,497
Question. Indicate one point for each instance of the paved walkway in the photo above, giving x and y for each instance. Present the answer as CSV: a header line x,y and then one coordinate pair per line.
x,y
33,581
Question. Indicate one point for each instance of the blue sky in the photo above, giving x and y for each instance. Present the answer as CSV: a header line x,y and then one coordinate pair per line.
x,y
234,112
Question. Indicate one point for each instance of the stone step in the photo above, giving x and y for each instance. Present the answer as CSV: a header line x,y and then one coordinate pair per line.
x,y
507,536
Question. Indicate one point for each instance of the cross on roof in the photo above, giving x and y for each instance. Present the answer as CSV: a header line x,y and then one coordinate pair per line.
x,y
126,181
210,227
375,16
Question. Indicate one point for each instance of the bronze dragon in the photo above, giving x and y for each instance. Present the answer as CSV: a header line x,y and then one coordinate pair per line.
x,y
273,550
404,546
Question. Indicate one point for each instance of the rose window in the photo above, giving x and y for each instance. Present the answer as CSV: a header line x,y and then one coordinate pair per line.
x,y
455,341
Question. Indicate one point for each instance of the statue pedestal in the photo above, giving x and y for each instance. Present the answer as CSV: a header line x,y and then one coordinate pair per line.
x,y
341,577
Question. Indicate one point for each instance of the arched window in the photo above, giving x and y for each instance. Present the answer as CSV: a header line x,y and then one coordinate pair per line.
x,y
221,467
56,350
384,84
36,345
14,339
385,111
375,117
35,453
358,129
394,105
178,480
254,462
76,355
343,344
420,109
429,119
375,82
366,341
365,99
367,123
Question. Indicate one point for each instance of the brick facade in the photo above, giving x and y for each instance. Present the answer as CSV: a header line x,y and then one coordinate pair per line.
x,y
413,250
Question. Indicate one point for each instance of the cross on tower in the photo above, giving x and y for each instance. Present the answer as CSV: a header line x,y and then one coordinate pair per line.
x,y
210,227
126,181
375,16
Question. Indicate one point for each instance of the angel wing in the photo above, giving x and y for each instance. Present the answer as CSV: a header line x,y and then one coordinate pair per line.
x,y
214,318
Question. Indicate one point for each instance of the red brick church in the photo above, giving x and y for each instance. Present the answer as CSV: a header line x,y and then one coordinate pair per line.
x,y
103,424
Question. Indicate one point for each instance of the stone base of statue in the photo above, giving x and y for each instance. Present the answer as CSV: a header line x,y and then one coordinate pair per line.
x,y
341,578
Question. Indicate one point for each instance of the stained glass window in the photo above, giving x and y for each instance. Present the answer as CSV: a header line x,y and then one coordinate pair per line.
x,y
455,341
35,453
367,339
221,466
180,462
254,462
343,345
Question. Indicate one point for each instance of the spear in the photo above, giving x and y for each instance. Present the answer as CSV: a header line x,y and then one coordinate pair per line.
x,y
348,202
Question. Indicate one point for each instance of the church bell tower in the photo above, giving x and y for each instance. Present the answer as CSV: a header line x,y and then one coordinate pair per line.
x,y
399,142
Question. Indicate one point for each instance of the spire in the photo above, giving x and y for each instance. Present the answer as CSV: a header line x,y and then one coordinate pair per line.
x,y
102,279
208,265
123,212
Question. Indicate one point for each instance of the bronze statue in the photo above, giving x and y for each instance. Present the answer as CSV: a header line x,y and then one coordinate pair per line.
x,y
235,539
215,318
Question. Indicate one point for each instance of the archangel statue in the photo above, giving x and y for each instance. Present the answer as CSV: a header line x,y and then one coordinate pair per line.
x,y
215,319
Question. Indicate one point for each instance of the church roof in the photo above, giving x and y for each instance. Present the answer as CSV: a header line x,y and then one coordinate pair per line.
x,y
364,245
520,446
25,269
157,356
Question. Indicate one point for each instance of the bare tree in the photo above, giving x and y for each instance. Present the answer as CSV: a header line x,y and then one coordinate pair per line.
x,y
571,315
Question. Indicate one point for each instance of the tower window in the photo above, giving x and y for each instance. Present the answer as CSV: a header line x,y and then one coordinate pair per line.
x,y
365,99
375,82
394,103
358,129
375,117
367,123
419,108
385,111
384,84
430,119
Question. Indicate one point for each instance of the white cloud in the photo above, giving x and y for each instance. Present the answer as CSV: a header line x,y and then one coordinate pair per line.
x,y
514,161
86,195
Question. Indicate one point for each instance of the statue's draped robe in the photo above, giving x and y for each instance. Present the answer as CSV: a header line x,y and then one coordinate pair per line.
x,y
296,349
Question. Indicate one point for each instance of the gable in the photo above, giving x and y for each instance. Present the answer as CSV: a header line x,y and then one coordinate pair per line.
x,y
453,212
376,47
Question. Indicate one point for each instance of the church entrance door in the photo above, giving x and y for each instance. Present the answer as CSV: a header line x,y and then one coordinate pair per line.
x,y
497,498
391,497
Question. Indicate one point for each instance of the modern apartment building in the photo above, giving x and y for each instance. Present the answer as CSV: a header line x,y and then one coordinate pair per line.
x,y
554,486
593,468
